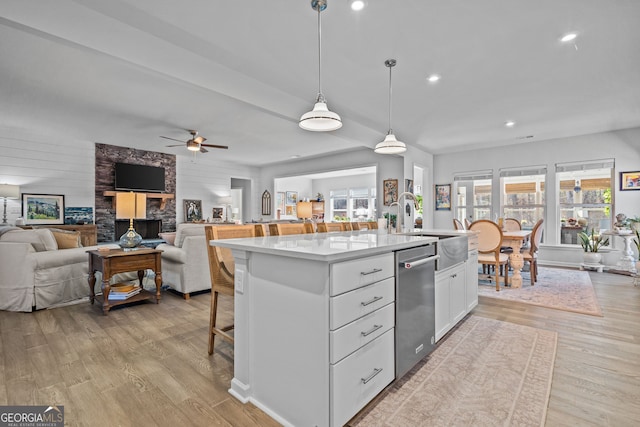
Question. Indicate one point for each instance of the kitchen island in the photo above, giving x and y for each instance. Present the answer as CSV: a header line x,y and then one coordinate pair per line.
x,y
314,322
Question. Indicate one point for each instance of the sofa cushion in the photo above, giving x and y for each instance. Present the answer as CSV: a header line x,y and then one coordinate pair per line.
x,y
41,239
66,239
185,230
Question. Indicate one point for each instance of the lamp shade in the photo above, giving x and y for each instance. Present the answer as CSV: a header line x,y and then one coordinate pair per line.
x,y
131,205
9,191
320,119
390,145
303,209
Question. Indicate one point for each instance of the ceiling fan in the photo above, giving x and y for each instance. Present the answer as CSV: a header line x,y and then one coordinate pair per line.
x,y
195,143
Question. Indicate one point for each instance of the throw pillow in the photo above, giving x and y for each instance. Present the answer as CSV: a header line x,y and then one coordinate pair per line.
x,y
170,237
67,239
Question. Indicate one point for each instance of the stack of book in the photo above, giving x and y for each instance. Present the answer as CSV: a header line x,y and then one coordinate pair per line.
x,y
122,291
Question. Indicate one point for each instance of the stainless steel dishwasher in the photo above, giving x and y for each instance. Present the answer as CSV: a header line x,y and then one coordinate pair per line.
x,y
415,305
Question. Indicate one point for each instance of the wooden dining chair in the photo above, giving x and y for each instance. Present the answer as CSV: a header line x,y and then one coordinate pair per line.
x,y
222,272
347,226
489,243
531,255
457,224
364,225
290,228
511,224
467,224
324,227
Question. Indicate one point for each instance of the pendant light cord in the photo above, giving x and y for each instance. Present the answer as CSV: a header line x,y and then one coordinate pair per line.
x,y
390,91
320,96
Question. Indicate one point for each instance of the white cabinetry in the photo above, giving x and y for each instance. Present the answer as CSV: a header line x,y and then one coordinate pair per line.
x,y
362,319
450,299
472,280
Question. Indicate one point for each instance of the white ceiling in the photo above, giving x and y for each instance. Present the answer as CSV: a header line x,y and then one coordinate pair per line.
x,y
124,72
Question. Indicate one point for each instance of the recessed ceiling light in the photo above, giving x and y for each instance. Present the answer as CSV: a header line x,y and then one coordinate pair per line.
x,y
510,123
568,37
357,5
295,156
433,78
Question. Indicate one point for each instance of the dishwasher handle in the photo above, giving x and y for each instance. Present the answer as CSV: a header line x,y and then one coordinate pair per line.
x,y
419,262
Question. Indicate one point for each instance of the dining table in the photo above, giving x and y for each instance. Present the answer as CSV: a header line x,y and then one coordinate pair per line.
x,y
515,240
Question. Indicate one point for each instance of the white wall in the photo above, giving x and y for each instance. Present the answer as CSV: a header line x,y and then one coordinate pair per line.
x,y
623,146
387,167
210,181
47,165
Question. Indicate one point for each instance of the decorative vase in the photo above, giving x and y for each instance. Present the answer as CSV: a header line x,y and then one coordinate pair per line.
x,y
592,258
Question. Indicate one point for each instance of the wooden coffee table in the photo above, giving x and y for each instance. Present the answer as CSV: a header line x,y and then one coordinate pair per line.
x,y
113,261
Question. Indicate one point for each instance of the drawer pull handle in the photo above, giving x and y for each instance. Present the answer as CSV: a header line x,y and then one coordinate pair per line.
x,y
371,301
372,330
375,270
370,377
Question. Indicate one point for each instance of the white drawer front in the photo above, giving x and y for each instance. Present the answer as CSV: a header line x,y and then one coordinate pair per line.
x,y
360,377
348,307
354,335
349,275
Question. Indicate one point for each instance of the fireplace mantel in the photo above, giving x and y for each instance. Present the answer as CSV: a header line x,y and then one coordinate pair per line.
x,y
163,196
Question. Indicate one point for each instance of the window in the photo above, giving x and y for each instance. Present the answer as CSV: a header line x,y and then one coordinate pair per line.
x,y
584,195
473,196
522,195
353,204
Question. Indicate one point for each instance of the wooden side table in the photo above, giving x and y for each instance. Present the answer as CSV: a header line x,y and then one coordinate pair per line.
x,y
113,261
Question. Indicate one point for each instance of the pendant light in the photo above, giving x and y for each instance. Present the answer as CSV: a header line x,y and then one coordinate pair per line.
x,y
390,145
320,119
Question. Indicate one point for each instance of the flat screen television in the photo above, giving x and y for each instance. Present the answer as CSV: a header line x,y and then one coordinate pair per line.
x,y
144,178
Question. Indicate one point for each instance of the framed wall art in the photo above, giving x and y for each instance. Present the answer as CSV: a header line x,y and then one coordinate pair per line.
x,y
291,197
390,191
443,197
41,209
192,210
266,203
629,181
217,214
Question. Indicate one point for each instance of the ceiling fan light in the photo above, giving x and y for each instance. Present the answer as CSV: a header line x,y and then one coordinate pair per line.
x,y
320,119
390,145
192,145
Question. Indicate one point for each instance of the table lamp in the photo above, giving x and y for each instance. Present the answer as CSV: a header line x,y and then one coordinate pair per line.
x,y
131,206
303,210
8,191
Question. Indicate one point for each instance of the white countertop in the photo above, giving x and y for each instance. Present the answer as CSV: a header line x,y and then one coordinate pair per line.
x,y
329,247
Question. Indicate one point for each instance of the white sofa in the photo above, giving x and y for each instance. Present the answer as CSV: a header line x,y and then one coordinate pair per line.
x,y
185,264
36,274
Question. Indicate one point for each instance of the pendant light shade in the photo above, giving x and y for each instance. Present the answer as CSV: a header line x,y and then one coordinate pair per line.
x,y
320,119
390,145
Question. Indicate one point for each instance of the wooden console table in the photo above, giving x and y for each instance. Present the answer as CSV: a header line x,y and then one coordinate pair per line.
x,y
113,261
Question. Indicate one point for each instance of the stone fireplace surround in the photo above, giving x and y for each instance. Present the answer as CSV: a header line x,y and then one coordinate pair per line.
x,y
106,158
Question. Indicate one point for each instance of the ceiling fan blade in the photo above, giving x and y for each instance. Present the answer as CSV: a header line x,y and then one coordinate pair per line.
x,y
202,150
173,139
224,147
199,139
176,145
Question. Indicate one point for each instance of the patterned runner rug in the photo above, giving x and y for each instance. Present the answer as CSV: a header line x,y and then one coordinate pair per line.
x,y
485,373
568,290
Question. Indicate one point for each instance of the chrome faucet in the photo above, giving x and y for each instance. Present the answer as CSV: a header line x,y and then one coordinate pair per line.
x,y
401,211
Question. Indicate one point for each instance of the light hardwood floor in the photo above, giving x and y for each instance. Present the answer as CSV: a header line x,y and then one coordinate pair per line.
x,y
147,364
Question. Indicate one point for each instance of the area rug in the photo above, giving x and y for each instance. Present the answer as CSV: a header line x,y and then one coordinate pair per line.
x,y
486,373
568,290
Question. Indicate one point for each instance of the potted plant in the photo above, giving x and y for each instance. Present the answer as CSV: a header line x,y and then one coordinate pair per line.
x,y
591,244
